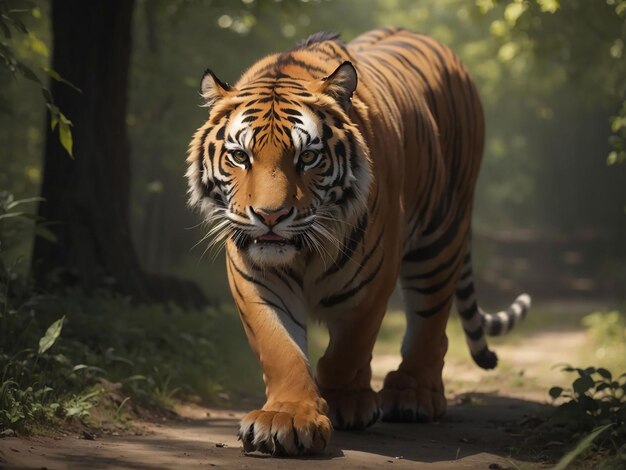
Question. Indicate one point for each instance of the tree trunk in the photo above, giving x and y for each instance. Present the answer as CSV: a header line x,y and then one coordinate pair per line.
x,y
87,198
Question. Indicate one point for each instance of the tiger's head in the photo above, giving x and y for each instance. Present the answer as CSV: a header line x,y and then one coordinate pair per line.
x,y
279,166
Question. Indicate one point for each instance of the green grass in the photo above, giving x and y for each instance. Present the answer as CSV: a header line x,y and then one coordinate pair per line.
x,y
157,352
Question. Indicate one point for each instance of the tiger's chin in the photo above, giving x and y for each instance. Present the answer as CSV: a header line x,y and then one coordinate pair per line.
x,y
271,254
270,251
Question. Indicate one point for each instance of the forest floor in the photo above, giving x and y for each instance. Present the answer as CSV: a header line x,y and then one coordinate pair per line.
x,y
489,414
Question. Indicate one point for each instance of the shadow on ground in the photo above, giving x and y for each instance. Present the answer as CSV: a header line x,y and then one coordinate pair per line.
x,y
479,430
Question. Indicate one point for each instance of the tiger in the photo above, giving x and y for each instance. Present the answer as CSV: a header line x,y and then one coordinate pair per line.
x,y
332,172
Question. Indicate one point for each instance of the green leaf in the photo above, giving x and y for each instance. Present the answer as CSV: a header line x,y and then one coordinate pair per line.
x,y
88,368
583,384
52,334
56,76
17,24
48,97
583,445
46,234
28,215
134,378
604,373
587,371
10,215
5,29
65,135
27,73
555,392
17,202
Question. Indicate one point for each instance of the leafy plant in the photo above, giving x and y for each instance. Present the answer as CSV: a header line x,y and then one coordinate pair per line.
x,y
11,22
52,334
58,352
596,401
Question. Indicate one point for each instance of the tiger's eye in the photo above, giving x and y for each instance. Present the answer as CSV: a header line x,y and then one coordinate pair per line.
x,y
240,157
307,157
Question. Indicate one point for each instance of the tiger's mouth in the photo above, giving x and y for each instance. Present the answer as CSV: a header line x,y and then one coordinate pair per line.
x,y
269,240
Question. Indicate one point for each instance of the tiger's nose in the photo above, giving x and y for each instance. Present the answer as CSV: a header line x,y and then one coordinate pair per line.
x,y
271,217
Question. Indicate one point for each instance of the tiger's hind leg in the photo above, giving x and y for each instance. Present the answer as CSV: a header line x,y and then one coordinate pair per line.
x,y
429,274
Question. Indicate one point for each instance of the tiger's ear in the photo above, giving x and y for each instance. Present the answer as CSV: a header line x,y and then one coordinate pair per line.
x,y
340,84
212,89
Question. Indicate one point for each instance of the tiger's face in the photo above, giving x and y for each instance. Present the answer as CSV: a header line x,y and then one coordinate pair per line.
x,y
279,167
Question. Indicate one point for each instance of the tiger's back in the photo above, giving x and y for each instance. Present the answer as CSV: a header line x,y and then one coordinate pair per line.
x,y
425,81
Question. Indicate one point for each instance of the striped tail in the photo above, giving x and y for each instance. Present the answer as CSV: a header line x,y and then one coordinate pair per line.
x,y
477,323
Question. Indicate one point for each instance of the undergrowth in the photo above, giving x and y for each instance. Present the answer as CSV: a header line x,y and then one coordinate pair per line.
x,y
60,355
156,352
592,413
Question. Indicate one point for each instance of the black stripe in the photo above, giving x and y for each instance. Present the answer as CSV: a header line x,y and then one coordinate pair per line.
x,y
365,259
423,253
466,292
249,278
348,247
242,313
474,335
244,320
434,310
434,288
282,277
294,276
434,272
469,312
495,327
343,296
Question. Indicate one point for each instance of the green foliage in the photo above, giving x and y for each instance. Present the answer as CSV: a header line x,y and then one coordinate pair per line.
x,y
11,19
550,30
595,401
64,124
50,337
56,352
592,410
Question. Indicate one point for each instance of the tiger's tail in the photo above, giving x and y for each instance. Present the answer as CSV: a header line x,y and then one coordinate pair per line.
x,y
477,323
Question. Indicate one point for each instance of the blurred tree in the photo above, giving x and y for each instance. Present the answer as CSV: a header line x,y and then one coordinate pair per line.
x,y
570,57
87,198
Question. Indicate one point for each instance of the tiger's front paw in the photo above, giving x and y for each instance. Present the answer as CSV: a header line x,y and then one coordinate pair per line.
x,y
352,409
286,428
409,399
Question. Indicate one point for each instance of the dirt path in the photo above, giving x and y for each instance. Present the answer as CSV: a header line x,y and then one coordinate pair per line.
x,y
473,436
481,425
